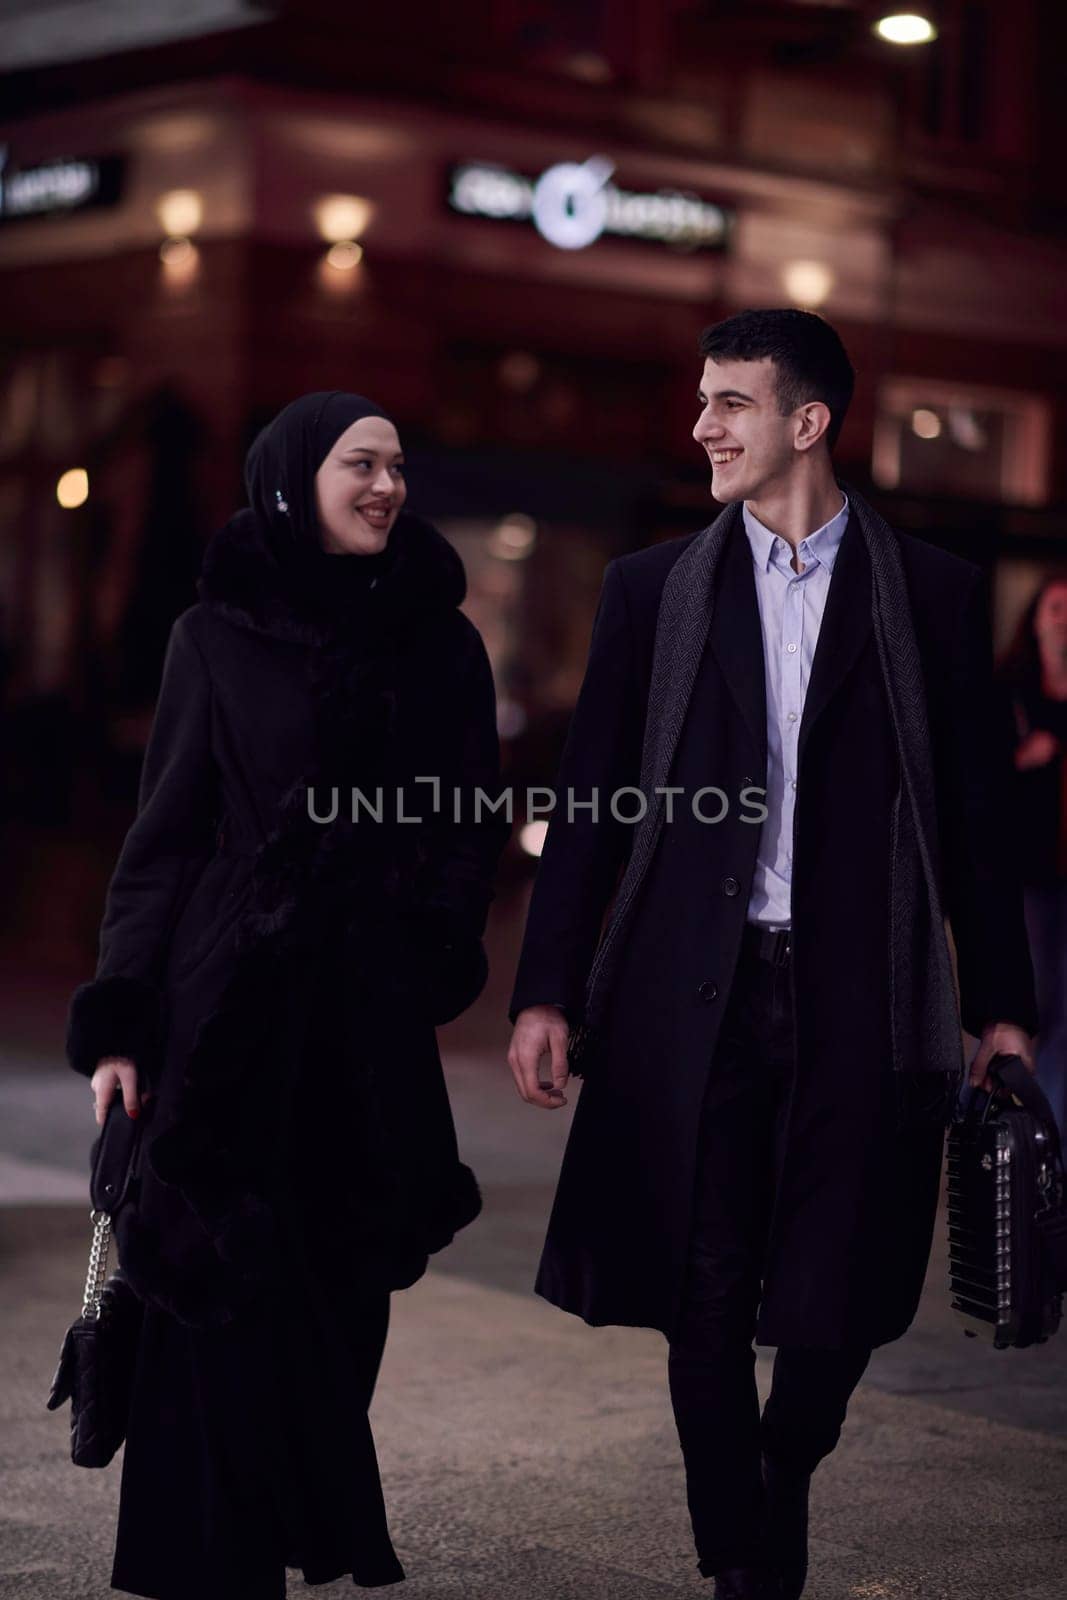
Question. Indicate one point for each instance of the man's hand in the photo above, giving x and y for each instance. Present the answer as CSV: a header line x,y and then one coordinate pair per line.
x,y
540,1031
1000,1039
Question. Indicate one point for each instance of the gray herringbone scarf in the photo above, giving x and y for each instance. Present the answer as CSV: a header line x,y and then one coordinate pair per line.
x,y
925,1019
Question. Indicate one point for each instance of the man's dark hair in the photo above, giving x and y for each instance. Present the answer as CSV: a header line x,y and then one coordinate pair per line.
x,y
809,358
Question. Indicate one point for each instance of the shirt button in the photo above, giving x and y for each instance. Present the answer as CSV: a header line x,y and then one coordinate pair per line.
x,y
708,990
791,648
793,783
792,716
730,886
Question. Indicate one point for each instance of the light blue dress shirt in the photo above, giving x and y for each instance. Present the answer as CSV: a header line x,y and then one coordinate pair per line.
x,y
791,606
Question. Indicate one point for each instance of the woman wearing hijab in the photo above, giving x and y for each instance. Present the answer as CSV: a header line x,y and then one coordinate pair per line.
x,y
279,940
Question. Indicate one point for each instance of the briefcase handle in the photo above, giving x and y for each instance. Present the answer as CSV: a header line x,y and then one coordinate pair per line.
x,y
1013,1074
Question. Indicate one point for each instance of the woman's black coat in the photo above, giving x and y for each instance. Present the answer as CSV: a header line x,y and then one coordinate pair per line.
x,y
856,1184
229,902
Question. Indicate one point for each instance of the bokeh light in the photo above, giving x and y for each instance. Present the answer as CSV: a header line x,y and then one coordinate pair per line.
x,y
72,490
905,27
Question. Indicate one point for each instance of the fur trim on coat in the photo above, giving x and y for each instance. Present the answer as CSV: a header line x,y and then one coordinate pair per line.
x,y
115,1016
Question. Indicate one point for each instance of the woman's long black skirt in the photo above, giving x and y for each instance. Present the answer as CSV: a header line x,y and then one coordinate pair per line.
x,y
249,1449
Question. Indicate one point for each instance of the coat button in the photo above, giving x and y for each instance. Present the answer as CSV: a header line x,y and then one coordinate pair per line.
x,y
708,990
730,886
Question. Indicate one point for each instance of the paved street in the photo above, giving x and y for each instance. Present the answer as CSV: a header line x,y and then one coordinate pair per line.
x,y
525,1456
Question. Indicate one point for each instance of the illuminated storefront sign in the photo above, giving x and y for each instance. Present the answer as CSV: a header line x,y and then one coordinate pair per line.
x,y
57,186
574,204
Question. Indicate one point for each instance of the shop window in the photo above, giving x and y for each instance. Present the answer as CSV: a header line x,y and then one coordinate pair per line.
x,y
942,438
532,593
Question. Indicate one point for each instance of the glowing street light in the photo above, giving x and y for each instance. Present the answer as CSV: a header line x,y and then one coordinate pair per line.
x,y
514,538
807,283
342,217
926,423
905,27
180,212
72,490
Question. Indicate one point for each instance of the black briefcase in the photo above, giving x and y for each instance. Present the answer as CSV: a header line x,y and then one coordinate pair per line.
x,y
1007,1222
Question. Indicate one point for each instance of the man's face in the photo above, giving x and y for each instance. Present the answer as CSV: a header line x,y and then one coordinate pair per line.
x,y
751,446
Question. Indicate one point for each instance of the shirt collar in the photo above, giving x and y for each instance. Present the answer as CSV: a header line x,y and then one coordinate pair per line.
x,y
821,546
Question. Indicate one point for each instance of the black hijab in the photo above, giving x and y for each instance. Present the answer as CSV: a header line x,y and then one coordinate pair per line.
x,y
280,473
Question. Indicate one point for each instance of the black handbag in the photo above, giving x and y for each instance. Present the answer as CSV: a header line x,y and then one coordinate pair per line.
x,y
96,1363
1007,1216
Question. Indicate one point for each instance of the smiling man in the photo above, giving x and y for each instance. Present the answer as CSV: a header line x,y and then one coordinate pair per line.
x,y
769,1027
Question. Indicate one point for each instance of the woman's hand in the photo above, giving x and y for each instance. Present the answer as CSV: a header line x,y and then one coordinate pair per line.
x,y
116,1072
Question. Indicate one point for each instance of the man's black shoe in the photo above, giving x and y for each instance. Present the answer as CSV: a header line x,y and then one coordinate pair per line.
x,y
786,1527
746,1583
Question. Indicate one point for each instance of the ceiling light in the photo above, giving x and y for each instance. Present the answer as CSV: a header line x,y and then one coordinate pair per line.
x,y
180,212
905,27
342,217
513,539
925,423
72,490
807,283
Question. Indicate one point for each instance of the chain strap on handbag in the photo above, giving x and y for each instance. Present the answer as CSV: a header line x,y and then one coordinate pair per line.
x,y
96,1276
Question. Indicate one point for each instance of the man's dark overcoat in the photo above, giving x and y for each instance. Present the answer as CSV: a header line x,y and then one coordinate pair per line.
x,y
278,979
859,1147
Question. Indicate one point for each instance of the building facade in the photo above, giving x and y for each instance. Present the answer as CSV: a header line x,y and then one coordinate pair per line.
x,y
508,225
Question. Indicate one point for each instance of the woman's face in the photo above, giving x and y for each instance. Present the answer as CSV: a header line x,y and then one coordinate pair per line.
x,y
360,488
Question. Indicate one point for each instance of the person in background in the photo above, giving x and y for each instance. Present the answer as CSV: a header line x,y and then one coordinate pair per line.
x,y
1034,676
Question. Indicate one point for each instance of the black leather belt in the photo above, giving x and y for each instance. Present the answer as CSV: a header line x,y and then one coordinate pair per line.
x,y
769,944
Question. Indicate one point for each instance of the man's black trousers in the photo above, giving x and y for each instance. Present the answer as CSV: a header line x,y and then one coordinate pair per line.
x,y
712,1359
